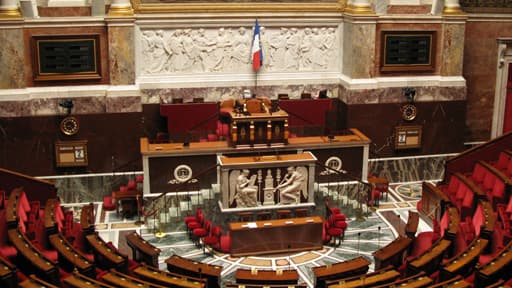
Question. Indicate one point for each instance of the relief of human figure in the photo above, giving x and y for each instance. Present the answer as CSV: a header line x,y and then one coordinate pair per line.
x,y
318,47
245,191
155,51
330,46
278,49
223,49
175,48
306,49
291,56
293,183
241,51
205,46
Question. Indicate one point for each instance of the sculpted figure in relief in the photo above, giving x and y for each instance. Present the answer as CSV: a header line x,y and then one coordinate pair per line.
x,y
175,48
241,49
306,49
291,56
154,50
245,191
294,182
278,49
223,49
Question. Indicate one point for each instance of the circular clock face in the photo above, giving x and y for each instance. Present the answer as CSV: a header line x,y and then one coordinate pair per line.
x,y
409,112
69,125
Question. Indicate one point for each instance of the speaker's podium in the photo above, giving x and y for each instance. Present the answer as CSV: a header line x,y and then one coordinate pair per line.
x,y
259,129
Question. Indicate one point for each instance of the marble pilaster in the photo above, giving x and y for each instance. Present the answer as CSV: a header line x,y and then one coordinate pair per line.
x,y
359,46
121,50
453,46
12,74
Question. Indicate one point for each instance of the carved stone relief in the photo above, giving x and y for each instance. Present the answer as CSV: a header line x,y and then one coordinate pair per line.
x,y
228,50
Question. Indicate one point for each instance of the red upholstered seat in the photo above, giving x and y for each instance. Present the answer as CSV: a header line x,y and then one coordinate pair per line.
x,y
478,219
335,232
225,244
109,203
139,178
132,185
503,161
467,204
213,238
6,250
195,218
422,243
479,173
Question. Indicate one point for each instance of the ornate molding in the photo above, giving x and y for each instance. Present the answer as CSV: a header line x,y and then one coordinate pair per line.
x,y
10,12
253,7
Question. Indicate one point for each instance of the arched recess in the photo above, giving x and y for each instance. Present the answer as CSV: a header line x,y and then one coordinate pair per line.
x,y
502,112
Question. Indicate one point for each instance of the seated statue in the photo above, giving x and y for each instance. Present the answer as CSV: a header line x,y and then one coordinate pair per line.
x,y
293,183
245,192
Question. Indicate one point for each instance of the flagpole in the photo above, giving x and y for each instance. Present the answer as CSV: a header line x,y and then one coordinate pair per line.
x,y
256,54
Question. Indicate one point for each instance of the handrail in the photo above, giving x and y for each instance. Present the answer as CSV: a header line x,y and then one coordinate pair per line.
x,y
464,161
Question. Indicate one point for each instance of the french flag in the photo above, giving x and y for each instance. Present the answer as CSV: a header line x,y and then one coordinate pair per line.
x,y
257,54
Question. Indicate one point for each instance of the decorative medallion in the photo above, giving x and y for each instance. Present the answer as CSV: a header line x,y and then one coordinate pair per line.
x,y
409,112
182,173
333,162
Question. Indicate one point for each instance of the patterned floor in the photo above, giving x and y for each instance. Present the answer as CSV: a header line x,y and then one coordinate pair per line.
x,y
362,237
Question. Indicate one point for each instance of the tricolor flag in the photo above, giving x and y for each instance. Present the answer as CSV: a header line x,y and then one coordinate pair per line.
x,y
257,54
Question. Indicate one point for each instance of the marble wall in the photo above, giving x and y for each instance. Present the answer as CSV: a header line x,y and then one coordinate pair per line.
x,y
11,74
480,65
121,52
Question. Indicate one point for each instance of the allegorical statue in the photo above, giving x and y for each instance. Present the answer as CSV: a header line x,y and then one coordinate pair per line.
x,y
293,183
242,189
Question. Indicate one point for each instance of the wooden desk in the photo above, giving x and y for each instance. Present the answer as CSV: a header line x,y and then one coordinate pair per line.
x,y
187,267
433,201
392,254
356,266
267,277
415,281
105,256
453,226
276,236
412,224
127,200
489,220
463,263
369,280
34,282
259,128
118,279
69,257
233,285
77,280
154,275
455,282
430,259
493,270
142,250
50,224
30,256
8,276
11,212
87,219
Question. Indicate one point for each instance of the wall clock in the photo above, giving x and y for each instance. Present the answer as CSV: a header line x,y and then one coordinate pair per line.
x,y
69,125
409,112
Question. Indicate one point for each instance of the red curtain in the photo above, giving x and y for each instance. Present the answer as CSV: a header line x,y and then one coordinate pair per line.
x,y
507,122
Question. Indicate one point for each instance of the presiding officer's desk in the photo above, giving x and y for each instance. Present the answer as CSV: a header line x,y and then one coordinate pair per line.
x,y
186,267
268,277
276,236
259,128
356,266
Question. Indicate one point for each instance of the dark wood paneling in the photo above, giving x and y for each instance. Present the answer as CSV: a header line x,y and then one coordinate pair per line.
x,y
443,126
27,143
